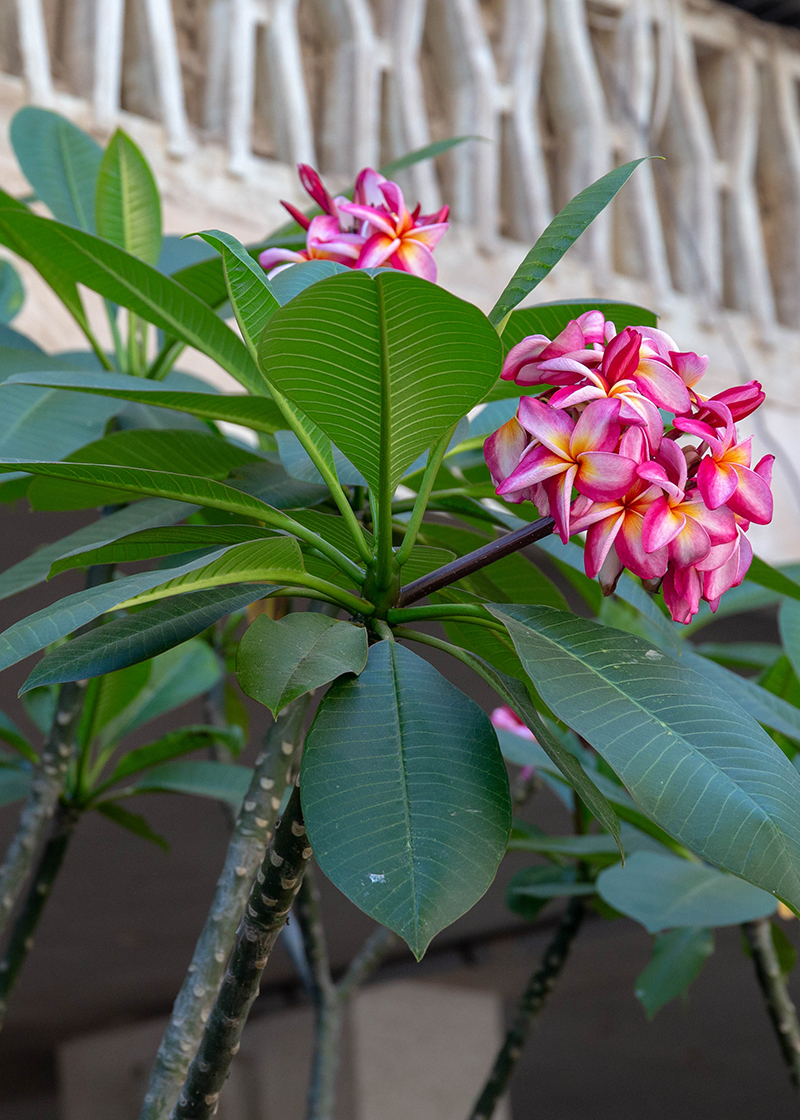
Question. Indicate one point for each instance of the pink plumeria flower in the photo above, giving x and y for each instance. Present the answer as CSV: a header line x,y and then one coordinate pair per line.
x,y
568,454
396,236
724,476
503,450
579,345
505,719
683,523
742,400
618,525
324,242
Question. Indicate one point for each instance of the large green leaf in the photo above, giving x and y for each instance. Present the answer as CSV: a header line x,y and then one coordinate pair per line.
x,y
127,203
248,288
691,757
223,781
131,283
758,702
38,422
170,746
563,231
765,575
279,661
142,635
36,567
677,959
56,621
789,625
532,888
184,452
259,413
60,161
384,364
12,293
405,794
664,892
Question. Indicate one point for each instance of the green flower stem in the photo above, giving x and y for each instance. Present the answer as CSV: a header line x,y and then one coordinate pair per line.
x,y
245,853
267,909
778,1002
330,1000
474,561
46,789
21,941
472,611
435,457
530,1006
329,476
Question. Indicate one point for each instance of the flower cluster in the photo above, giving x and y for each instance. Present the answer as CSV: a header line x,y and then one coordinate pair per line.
x,y
593,452
375,229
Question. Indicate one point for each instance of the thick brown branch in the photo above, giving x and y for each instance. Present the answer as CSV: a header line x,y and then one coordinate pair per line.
x,y
780,1007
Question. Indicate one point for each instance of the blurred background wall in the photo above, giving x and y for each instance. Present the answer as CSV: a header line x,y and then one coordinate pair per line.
x,y
225,96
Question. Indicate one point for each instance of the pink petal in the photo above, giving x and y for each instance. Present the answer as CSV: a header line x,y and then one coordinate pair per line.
x,y
539,463
690,545
604,475
719,524
550,426
520,355
559,492
682,593
429,235
376,250
377,218
622,356
752,498
270,257
395,201
413,256
367,192
503,449
507,720
662,385
597,428
315,187
568,397
630,549
593,326
661,525
715,481
608,576
689,367
599,540
298,215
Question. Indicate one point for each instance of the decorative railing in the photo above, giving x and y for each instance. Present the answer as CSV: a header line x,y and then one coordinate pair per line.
x,y
560,90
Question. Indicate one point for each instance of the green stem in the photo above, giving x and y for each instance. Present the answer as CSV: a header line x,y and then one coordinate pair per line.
x,y
471,611
530,1006
435,457
21,940
165,359
40,806
245,853
779,1005
265,915
119,349
371,954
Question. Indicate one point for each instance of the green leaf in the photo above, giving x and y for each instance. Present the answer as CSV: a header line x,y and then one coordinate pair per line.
x,y
35,568
789,627
60,161
12,293
11,339
581,847
222,781
175,678
664,892
259,413
405,795
384,365
14,784
298,463
248,288
430,151
693,760
127,203
677,959
11,734
131,283
38,422
56,621
741,655
279,661
133,822
532,888
172,745
765,575
142,635
565,228
292,281
200,454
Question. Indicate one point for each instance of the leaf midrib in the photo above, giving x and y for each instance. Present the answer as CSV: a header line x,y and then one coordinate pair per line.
x,y
405,797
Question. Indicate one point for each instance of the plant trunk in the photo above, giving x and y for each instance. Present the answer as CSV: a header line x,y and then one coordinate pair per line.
x,y
780,1008
245,853
21,940
265,915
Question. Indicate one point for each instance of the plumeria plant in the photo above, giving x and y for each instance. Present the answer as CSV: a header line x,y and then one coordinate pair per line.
x,y
570,566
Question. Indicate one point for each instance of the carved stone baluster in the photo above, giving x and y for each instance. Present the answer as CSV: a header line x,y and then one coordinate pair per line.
x,y
687,142
351,119
525,185
242,55
108,62
747,280
291,112
164,46
405,124
640,248
35,51
579,119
